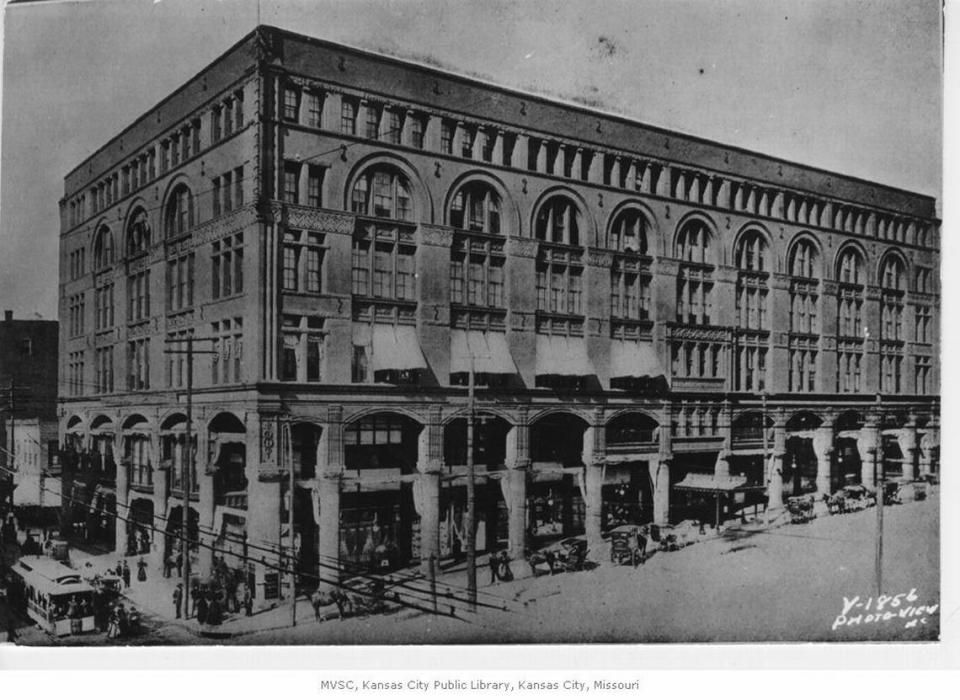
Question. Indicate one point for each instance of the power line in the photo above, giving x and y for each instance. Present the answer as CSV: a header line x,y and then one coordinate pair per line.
x,y
282,569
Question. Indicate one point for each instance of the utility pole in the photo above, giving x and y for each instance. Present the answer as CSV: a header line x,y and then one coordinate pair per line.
x,y
469,521
187,466
878,480
288,454
767,463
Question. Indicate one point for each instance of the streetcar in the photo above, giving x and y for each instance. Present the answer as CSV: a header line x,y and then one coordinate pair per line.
x,y
55,596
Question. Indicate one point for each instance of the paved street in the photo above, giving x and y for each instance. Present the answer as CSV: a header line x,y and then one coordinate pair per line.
x,y
785,584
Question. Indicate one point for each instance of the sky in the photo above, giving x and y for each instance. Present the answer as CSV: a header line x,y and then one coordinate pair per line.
x,y
852,86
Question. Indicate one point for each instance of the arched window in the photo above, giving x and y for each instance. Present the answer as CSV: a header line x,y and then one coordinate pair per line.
x,y
893,286
694,281
103,249
693,243
559,270
476,207
752,253
892,276
850,328
803,260
558,221
751,306
382,192
138,233
630,273
804,318
850,267
477,263
628,233
179,214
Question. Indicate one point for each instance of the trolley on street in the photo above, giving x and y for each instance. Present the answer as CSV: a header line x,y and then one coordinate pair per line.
x,y
56,596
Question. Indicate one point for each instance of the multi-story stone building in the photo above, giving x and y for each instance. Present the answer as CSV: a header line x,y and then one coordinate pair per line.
x,y
645,312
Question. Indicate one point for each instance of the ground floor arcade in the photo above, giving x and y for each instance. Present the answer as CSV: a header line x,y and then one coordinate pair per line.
x,y
380,487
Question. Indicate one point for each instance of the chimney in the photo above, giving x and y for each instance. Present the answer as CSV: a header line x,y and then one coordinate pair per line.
x,y
7,315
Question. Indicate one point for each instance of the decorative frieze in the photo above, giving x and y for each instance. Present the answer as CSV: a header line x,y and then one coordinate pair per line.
x,y
440,236
521,247
320,220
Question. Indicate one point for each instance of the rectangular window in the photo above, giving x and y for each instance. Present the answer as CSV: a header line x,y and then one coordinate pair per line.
x,y
227,266
416,132
394,126
180,283
164,158
291,182
174,151
348,117
291,104
314,182
361,268
238,108
290,266
138,365
238,187
215,124
215,194
227,192
466,141
372,121
314,109
446,136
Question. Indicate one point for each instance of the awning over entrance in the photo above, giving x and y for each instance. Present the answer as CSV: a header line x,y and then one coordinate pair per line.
x,y
562,356
712,483
396,348
634,360
489,350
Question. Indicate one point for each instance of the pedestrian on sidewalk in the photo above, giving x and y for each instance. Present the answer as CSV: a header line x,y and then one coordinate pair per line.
x,y
194,598
504,569
201,607
167,566
494,563
180,565
141,570
119,571
247,600
126,575
178,598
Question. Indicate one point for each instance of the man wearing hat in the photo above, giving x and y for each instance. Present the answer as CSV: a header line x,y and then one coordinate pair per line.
x,y
178,598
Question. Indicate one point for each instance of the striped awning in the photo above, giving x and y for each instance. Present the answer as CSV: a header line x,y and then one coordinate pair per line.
x,y
712,483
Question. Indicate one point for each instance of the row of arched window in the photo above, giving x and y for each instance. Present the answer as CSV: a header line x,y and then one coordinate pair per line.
x,y
383,191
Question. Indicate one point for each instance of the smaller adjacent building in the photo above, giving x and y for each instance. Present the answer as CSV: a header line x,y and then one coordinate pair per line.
x,y
29,465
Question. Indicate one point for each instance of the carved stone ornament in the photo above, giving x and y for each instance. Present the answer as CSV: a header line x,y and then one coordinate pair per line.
x,y
522,247
436,235
320,220
599,258
268,439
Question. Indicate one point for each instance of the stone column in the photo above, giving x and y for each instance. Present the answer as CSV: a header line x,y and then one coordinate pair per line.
x,y
520,151
775,477
823,447
264,479
592,483
659,470
595,170
907,439
429,469
515,489
330,465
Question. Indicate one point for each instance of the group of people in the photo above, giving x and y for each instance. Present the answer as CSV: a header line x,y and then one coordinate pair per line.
x,y
121,621
122,571
209,603
138,542
499,567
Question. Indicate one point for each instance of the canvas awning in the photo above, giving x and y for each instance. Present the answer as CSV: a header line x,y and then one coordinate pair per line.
x,y
712,483
395,348
634,360
489,351
562,356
